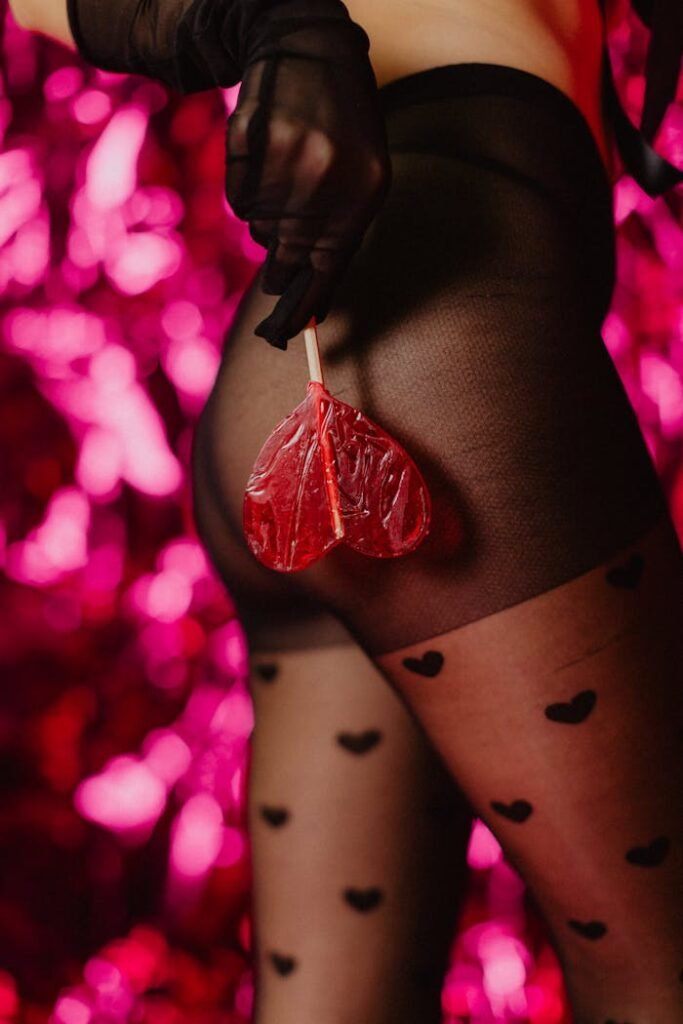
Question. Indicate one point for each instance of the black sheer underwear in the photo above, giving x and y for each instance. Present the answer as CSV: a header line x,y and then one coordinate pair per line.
x,y
468,326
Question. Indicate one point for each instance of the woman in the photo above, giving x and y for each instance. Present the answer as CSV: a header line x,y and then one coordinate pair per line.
x,y
523,664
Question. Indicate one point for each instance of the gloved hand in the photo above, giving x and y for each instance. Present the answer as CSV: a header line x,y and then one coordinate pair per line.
x,y
307,159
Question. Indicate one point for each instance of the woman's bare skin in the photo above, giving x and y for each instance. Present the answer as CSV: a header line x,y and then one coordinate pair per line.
x,y
558,40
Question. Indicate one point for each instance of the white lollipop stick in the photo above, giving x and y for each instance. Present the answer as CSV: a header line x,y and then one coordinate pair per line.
x,y
315,372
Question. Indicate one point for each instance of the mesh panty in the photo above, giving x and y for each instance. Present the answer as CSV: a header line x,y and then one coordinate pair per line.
x,y
535,635
469,327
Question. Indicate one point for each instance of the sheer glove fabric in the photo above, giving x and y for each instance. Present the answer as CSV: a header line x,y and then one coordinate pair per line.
x,y
307,159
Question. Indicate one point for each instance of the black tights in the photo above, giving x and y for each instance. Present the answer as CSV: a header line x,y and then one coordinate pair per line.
x,y
524,664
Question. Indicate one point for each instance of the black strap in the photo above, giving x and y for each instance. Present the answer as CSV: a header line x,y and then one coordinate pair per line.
x,y
653,173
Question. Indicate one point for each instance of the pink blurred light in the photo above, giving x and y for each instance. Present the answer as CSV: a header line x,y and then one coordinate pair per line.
x,y
125,796
244,999
9,999
91,106
506,891
62,83
197,837
99,462
233,848
167,756
62,536
113,368
71,1010
81,252
30,253
235,715
18,206
58,545
251,250
102,228
160,642
165,597
140,957
668,238
5,117
628,198
484,849
16,165
207,285
59,336
169,596
192,365
182,320
544,1006
229,648
661,383
111,171
201,708
105,567
118,404
616,335
186,557
516,1004
238,786
155,206
103,975
460,996
504,970
140,260
112,996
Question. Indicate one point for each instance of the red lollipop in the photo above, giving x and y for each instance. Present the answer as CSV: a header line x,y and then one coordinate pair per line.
x,y
328,474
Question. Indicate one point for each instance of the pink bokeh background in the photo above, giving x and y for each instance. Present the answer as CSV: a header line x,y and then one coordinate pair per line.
x,y
124,712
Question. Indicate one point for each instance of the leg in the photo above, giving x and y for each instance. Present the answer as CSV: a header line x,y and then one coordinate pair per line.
x,y
359,845
536,632
562,718
358,834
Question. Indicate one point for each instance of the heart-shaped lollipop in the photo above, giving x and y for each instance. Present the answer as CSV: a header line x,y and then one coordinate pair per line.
x,y
328,474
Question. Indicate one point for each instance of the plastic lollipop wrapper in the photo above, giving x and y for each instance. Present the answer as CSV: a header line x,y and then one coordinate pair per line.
x,y
329,475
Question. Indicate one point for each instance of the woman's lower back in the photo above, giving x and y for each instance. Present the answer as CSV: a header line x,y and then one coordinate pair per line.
x,y
559,40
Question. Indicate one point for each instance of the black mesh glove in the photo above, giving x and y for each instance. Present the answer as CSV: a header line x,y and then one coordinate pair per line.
x,y
307,159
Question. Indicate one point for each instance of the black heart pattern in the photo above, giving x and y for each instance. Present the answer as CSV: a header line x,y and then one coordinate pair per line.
x,y
359,742
518,810
275,816
430,664
363,899
589,929
283,964
575,711
626,575
266,671
649,856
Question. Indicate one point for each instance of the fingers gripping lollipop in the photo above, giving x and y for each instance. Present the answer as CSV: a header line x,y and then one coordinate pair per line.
x,y
328,474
